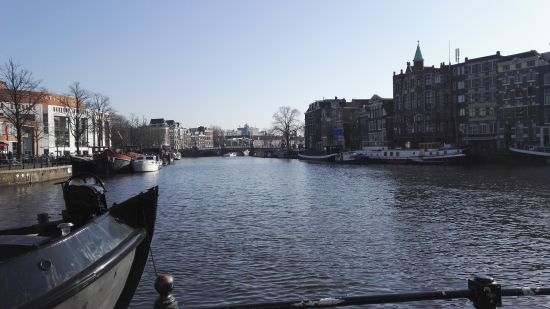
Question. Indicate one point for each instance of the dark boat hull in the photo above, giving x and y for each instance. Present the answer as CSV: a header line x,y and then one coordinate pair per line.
x,y
96,266
82,164
111,165
318,158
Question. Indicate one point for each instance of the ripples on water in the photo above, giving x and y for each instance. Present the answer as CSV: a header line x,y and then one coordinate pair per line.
x,y
245,229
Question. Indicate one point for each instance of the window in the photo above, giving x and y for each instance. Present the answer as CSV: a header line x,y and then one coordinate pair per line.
x,y
546,116
45,122
428,80
482,111
506,67
505,80
518,65
519,93
61,127
483,128
531,63
460,98
462,112
429,98
546,79
460,85
437,79
531,76
547,97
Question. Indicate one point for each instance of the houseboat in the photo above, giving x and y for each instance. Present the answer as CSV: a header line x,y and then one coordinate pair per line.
x,y
424,155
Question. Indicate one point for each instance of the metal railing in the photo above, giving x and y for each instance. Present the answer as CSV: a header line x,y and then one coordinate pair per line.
x,y
31,163
483,292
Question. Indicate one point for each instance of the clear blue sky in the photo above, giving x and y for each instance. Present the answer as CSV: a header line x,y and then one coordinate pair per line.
x,y
229,63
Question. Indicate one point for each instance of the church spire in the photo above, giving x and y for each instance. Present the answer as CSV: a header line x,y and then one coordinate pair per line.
x,y
418,60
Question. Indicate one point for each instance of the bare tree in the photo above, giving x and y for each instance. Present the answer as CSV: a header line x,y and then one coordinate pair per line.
x,y
99,107
120,128
218,136
21,93
75,102
286,123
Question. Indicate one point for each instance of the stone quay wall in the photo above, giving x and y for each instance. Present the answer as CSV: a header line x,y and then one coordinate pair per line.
x,y
26,176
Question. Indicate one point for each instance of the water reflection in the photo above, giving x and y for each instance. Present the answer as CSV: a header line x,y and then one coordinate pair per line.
x,y
249,230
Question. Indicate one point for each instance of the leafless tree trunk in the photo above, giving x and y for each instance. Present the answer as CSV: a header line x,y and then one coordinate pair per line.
x,y
120,128
286,122
75,102
21,93
99,107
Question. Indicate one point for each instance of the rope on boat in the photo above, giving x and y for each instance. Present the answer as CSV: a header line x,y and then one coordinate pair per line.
x,y
153,260
150,246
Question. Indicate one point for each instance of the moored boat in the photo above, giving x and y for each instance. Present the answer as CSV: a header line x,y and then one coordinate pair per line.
x,y
82,164
230,154
93,258
145,163
111,162
326,158
532,154
446,155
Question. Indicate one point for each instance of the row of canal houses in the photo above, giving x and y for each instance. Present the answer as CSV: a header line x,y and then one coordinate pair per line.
x,y
487,104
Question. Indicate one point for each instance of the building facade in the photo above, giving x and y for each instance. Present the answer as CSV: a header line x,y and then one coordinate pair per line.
x,y
331,125
48,130
423,106
475,94
522,107
376,121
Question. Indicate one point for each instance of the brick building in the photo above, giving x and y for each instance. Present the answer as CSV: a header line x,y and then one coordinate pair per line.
x,y
522,105
376,121
475,94
423,106
331,125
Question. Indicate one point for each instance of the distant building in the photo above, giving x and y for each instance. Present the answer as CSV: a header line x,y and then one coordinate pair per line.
x,y
475,94
423,106
521,94
331,125
47,128
376,121
157,135
200,138
543,97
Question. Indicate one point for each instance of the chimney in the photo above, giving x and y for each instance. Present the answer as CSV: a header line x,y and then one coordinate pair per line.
x,y
498,52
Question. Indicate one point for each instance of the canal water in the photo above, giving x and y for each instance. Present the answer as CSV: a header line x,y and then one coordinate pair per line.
x,y
244,229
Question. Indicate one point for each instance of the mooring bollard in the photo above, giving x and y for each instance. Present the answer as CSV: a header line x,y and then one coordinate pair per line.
x,y
486,294
164,285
